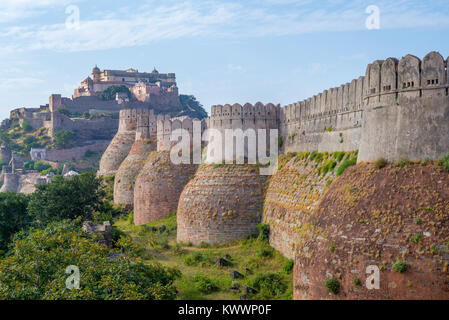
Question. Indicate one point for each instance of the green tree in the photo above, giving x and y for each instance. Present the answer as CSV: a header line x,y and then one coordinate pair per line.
x,y
64,139
40,166
110,92
64,111
192,107
37,269
63,199
27,127
13,216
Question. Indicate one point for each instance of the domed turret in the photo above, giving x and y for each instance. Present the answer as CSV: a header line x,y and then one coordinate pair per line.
x,y
96,73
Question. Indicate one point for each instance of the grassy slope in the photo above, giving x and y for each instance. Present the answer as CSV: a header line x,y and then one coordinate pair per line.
x,y
162,248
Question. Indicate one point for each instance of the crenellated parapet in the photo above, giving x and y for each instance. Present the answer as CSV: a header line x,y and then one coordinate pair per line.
x,y
258,116
409,77
406,109
166,126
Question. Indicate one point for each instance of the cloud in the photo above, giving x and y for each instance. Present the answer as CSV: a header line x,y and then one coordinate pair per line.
x,y
11,10
235,68
154,21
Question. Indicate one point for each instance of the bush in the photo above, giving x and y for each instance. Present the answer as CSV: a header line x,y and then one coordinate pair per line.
x,y
332,285
339,155
43,256
110,92
288,266
269,285
205,284
27,127
197,258
41,166
380,163
28,165
62,199
265,252
346,164
264,232
445,162
400,266
13,216
64,139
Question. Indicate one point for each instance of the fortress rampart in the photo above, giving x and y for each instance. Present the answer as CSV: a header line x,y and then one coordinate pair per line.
x,y
399,109
406,109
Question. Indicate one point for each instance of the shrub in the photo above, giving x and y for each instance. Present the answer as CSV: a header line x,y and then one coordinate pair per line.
x,y
269,285
64,111
110,92
48,252
265,252
288,266
328,165
339,155
346,164
64,139
400,266
28,165
196,258
204,284
27,127
63,199
380,163
332,285
264,232
13,216
41,166
445,162
417,238
357,281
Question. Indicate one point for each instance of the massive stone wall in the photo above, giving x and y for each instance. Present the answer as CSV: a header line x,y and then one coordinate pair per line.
x,y
221,204
158,187
129,169
406,109
327,122
120,146
372,217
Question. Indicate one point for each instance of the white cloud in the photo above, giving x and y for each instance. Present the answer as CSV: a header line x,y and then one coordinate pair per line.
x,y
11,10
174,19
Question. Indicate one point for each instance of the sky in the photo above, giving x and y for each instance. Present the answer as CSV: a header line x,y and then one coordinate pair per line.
x,y
228,51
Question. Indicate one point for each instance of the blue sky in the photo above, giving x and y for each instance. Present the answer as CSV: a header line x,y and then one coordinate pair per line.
x,y
278,51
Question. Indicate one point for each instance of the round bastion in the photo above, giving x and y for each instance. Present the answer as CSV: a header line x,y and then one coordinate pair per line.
x,y
158,187
220,204
126,175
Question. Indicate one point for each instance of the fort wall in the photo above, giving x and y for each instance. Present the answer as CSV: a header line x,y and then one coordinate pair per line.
x,y
406,109
126,175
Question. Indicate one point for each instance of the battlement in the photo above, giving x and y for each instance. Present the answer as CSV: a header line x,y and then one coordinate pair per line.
x,y
390,80
166,126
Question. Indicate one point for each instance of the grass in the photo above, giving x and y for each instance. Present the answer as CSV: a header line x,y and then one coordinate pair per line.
x,y
380,163
332,285
264,268
400,266
346,164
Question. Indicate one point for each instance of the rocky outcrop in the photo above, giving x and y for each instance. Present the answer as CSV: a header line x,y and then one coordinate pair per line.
x,y
159,186
220,204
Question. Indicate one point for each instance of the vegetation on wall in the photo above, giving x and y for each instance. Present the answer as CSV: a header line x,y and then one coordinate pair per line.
x,y
64,139
110,92
191,107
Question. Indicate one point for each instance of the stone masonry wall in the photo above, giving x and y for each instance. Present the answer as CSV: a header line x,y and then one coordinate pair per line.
x,y
158,187
126,175
381,218
221,204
